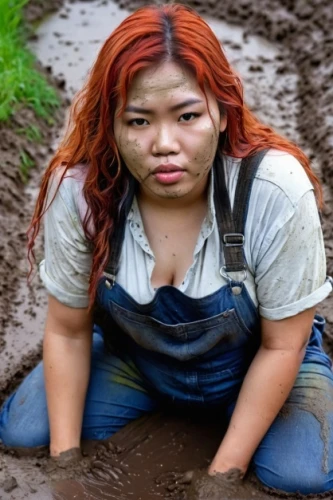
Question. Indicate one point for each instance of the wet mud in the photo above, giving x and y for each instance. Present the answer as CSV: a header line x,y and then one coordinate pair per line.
x,y
20,305
283,52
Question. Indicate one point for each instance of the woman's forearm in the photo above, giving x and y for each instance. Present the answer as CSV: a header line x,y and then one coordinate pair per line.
x,y
266,386
66,369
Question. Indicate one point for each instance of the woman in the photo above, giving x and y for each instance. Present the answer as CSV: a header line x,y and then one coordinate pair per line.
x,y
203,306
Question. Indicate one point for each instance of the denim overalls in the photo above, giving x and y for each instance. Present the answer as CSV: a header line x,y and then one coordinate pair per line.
x,y
192,352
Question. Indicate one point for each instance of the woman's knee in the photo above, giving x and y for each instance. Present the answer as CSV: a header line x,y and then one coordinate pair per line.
x,y
19,436
293,456
19,432
291,479
23,417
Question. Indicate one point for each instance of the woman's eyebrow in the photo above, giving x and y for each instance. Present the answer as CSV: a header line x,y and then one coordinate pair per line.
x,y
136,109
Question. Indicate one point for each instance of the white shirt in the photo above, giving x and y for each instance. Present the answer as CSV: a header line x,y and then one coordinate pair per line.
x,y
284,246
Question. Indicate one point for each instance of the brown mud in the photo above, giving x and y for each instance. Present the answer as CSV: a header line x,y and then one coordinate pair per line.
x,y
16,203
146,460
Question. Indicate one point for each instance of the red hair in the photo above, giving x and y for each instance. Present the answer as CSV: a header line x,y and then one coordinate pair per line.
x,y
149,36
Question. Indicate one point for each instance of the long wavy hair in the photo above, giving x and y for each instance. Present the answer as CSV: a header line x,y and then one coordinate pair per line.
x,y
150,35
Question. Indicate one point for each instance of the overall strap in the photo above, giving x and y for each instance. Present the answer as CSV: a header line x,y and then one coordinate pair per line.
x,y
231,223
117,237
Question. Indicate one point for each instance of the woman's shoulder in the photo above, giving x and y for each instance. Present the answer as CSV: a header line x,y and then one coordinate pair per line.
x,y
282,170
278,171
70,183
73,178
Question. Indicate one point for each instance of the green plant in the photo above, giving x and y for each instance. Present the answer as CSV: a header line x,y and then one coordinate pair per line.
x,y
20,81
32,133
26,164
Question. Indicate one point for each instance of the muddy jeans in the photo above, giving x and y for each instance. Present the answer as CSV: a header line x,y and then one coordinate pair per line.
x,y
295,455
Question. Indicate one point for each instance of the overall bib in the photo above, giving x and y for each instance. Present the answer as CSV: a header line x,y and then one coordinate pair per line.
x,y
192,352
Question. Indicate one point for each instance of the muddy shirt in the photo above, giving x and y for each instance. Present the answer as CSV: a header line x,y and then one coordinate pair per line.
x,y
283,243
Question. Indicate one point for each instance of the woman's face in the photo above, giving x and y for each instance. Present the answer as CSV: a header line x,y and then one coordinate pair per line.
x,y
168,133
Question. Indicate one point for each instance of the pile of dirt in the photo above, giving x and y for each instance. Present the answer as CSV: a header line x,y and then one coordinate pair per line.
x,y
13,214
36,10
17,151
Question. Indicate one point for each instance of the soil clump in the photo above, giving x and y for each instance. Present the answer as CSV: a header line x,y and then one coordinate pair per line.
x,y
16,204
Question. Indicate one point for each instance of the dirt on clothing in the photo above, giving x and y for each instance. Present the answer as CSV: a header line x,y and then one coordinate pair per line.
x,y
147,459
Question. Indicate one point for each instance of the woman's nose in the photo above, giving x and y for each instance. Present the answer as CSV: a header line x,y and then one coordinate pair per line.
x,y
165,141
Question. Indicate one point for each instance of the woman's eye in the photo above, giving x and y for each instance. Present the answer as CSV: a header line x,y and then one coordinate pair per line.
x,y
186,117
138,121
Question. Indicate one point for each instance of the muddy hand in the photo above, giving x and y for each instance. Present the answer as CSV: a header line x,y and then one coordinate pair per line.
x,y
66,464
104,465
67,458
218,487
175,483
107,471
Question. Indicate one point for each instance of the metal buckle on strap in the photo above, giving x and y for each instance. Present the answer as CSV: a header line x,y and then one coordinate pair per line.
x,y
233,239
110,280
226,276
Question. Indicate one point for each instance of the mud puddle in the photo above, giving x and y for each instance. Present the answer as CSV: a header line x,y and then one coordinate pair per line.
x,y
69,40
139,461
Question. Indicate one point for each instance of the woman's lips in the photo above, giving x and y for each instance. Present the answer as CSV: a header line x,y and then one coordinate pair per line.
x,y
168,174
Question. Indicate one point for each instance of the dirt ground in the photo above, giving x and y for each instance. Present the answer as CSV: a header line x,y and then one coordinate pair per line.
x,y
139,461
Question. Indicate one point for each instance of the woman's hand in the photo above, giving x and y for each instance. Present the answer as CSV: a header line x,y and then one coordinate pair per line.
x,y
217,487
200,485
68,464
70,457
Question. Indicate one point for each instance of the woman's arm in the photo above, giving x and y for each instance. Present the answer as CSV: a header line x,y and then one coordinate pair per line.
x,y
66,354
266,386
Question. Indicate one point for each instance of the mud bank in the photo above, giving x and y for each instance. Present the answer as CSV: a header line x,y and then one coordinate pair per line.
x,y
286,74
19,304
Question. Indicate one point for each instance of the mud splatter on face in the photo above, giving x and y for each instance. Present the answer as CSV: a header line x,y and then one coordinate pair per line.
x,y
168,120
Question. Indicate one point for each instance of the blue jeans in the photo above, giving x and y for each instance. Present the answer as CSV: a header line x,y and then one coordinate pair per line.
x,y
295,455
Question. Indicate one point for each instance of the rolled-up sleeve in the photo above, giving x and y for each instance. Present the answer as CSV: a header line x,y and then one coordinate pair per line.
x,y
290,272
66,267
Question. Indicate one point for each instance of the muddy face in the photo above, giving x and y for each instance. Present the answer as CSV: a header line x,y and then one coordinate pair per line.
x,y
168,125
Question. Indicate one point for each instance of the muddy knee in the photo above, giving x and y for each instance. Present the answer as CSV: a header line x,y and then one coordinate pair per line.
x,y
23,417
16,433
292,481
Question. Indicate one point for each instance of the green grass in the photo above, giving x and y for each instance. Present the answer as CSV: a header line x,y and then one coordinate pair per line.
x,y
26,164
31,132
20,83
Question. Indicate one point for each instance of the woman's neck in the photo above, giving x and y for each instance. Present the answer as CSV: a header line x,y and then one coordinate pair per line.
x,y
194,199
